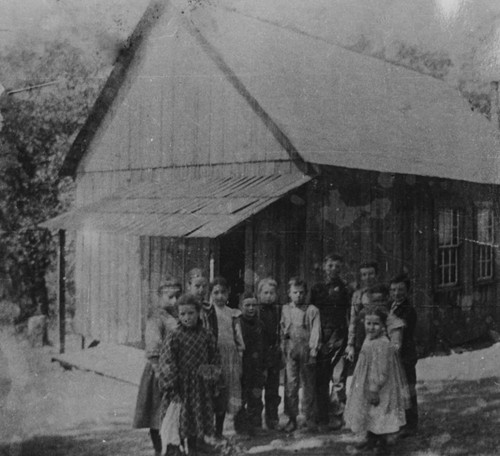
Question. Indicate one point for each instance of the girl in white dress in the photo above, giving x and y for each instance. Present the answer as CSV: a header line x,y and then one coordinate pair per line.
x,y
379,393
231,346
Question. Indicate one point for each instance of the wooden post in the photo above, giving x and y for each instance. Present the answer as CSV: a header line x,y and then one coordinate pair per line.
x,y
61,296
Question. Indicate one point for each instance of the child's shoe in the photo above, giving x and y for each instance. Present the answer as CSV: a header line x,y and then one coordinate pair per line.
x,y
258,431
310,427
290,426
335,423
172,450
407,431
368,443
383,449
205,447
272,425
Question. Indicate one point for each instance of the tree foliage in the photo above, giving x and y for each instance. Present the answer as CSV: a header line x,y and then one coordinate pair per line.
x,y
37,129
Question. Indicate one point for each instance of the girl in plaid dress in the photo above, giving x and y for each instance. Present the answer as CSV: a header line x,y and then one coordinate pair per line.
x,y
190,373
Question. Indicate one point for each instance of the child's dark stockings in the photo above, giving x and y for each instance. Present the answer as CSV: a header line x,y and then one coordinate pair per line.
x,y
156,439
219,424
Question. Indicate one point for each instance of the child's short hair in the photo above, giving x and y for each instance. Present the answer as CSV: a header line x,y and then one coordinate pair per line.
x,y
170,282
369,264
379,288
189,300
194,274
379,312
247,295
266,281
297,282
333,257
221,281
401,278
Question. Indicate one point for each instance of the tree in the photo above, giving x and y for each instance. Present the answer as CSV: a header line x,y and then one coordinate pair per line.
x,y
37,130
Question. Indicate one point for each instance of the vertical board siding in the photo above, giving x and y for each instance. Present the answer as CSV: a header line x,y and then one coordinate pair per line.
x,y
81,295
95,283
161,257
134,330
107,288
144,295
179,109
103,296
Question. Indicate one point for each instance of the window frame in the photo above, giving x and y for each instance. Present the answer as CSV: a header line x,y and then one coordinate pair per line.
x,y
453,234
482,245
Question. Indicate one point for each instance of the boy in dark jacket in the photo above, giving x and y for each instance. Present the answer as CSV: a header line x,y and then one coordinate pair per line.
x,y
331,297
250,417
269,315
402,309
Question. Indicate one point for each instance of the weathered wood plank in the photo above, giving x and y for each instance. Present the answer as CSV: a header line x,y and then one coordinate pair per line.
x,y
123,290
104,303
134,334
94,285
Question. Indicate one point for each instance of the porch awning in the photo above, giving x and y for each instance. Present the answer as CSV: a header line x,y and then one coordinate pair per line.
x,y
206,207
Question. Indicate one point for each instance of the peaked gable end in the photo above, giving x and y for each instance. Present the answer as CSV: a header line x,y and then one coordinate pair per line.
x,y
179,109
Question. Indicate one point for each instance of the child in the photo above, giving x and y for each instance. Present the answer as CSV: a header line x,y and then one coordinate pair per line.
x,y
253,364
269,314
368,275
162,322
189,372
379,394
197,286
402,310
301,333
332,299
231,346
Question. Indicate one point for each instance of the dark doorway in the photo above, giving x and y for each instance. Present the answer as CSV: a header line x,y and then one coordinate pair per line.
x,y
232,263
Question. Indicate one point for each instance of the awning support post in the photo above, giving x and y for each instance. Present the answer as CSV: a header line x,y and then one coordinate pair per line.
x,y
61,291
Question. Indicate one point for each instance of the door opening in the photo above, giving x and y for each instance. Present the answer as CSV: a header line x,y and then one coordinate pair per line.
x,y
232,263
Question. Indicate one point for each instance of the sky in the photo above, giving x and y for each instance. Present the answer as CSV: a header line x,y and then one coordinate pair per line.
x,y
466,30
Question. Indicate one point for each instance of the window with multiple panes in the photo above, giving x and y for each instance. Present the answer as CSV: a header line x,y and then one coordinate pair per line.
x,y
484,245
448,246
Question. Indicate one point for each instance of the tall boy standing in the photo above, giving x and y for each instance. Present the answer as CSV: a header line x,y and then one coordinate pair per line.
x,y
402,309
269,314
368,275
332,299
301,333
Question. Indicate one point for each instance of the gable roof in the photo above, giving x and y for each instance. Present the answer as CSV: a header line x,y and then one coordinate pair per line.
x,y
334,107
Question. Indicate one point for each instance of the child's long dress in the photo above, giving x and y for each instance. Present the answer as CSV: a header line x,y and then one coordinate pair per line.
x,y
378,370
230,345
190,371
148,410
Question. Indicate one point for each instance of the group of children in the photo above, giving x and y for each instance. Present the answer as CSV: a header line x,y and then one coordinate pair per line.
x,y
213,359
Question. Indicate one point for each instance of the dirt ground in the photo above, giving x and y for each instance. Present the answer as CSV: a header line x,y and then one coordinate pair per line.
x,y
55,412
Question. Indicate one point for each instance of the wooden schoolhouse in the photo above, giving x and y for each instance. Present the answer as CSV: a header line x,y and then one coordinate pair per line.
x,y
240,138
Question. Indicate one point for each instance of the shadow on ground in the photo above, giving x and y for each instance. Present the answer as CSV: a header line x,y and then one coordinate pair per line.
x,y
457,418
101,443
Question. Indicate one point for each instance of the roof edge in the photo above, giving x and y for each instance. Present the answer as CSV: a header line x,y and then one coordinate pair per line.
x,y
213,54
112,87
